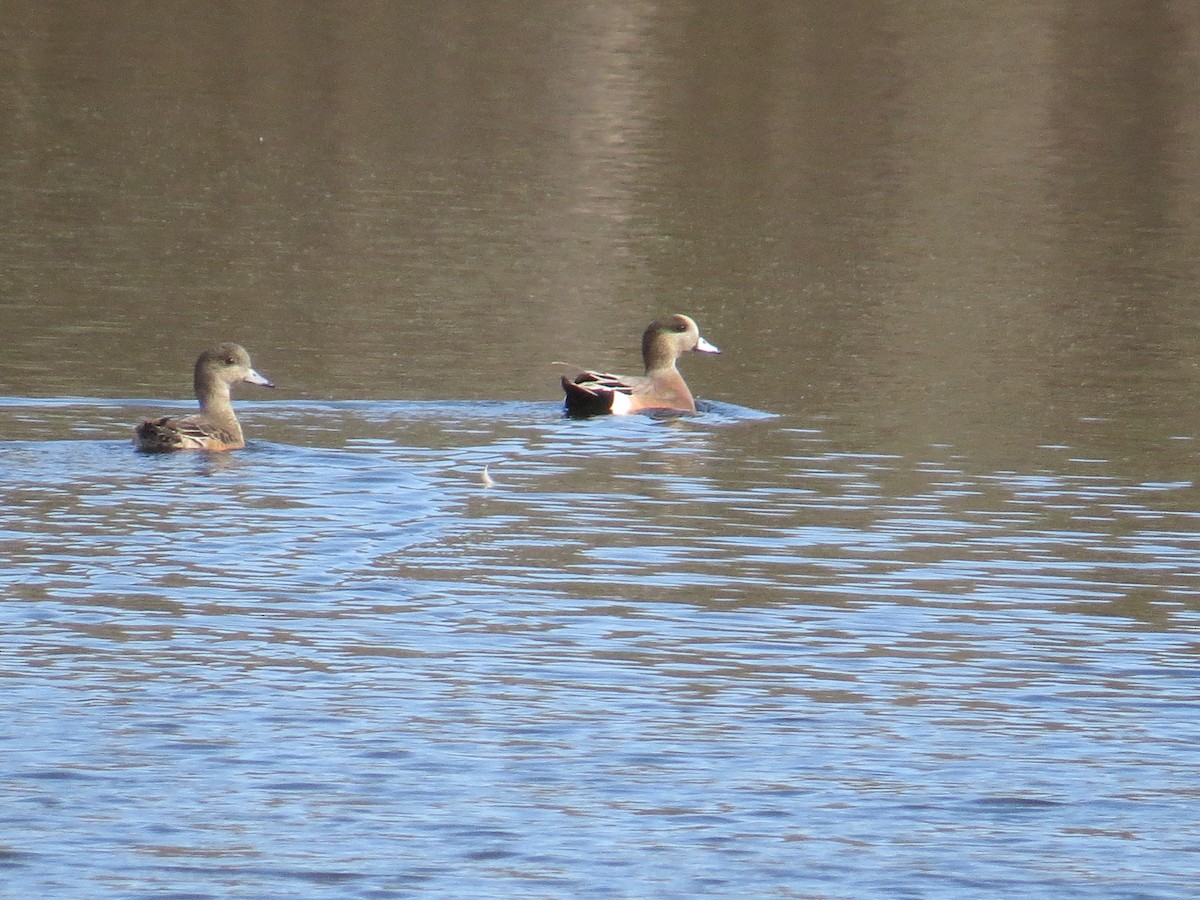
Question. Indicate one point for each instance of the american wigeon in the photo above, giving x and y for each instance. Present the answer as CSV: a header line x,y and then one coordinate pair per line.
x,y
216,427
662,387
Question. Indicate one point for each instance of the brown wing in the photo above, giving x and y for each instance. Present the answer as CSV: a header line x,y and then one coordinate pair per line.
x,y
182,434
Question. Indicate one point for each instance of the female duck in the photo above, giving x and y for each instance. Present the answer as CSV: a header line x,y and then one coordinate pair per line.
x,y
592,393
216,427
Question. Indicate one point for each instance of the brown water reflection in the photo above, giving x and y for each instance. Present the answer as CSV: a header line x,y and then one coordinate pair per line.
x,y
957,225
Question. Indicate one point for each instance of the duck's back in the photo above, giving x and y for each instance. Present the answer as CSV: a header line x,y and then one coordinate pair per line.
x,y
160,435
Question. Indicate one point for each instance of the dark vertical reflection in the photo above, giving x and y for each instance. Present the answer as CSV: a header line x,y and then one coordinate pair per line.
x,y
1124,91
1119,89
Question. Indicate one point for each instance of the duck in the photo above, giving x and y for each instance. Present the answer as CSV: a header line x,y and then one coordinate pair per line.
x,y
215,428
590,393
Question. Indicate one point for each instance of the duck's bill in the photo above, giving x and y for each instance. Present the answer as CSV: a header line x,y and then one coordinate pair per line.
x,y
703,346
254,378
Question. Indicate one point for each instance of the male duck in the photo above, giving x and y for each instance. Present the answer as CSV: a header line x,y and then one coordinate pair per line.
x,y
662,387
216,427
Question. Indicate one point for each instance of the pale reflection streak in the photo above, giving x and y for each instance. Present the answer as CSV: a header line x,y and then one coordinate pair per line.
x,y
585,250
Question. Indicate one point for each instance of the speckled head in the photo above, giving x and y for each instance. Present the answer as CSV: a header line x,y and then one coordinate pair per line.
x,y
224,365
667,338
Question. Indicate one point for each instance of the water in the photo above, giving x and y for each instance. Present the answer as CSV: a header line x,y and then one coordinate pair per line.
x,y
647,659
909,610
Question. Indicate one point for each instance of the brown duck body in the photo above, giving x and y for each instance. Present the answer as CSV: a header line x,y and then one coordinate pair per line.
x,y
590,393
215,427
191,433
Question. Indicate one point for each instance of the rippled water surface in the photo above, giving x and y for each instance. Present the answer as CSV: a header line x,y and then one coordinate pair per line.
x,y
647,658
910,609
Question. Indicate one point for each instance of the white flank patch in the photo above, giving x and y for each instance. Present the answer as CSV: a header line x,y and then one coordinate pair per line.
x,y
621,403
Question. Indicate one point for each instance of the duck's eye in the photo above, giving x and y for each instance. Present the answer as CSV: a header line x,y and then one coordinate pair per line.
x,y
229,361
